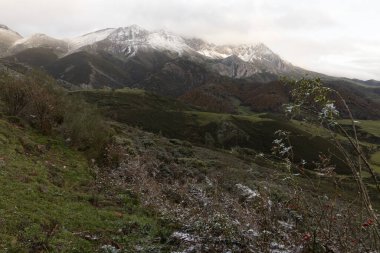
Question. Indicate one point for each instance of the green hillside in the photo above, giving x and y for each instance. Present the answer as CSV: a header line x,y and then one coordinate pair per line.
x,y
174,119
52,200
129,171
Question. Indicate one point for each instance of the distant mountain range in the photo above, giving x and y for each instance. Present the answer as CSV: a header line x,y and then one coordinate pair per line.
x,y
165,63
125,43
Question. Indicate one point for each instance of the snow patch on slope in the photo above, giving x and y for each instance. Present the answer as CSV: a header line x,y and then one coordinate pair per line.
x,y
89,39
247,53
36,40
213,54
167,41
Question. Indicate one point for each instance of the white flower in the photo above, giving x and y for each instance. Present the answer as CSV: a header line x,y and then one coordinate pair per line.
x,y
329,111
285,150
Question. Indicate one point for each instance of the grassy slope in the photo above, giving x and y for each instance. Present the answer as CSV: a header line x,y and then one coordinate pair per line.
x,y
373,127
177,120
48,200
375,160
370,130
173,119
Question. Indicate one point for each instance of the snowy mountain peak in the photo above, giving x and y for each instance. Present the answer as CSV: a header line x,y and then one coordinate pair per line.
x,y
252,52
132,33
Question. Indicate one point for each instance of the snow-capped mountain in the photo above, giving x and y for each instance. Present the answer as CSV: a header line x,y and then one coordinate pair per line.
x,y
134,42
7,38
125,42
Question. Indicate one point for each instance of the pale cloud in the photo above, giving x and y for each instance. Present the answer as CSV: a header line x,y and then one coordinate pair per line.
x,y
330,36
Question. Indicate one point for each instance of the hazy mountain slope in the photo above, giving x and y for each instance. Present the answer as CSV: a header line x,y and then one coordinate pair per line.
x,y
102,69
34,57
60,47
7,38
270,97
178,76
149,69
90,70
371,83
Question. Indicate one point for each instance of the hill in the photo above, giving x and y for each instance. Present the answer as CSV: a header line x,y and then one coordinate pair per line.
x,y
150,189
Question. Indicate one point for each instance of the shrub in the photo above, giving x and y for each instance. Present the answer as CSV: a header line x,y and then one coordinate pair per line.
x,y
38,100
33,97
14,94
84,127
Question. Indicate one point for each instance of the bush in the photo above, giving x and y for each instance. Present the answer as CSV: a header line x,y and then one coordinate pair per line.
x,y
33,97
84,127
14,94
38,100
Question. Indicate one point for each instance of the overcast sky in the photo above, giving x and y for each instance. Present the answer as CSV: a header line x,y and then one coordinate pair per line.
x,y
337,37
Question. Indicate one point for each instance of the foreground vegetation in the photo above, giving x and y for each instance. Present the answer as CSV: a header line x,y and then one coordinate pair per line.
x,y
51,200
148,174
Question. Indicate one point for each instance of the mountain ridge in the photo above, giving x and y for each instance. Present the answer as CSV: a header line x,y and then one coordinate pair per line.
x,y
126,41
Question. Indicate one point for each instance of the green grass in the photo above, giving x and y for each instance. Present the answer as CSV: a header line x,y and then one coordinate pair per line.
x,y
369,130
128,98
131,91
205,118
47,198
368,126
375,161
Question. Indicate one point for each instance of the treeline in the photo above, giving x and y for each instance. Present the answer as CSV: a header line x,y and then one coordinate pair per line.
x,y
35,99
